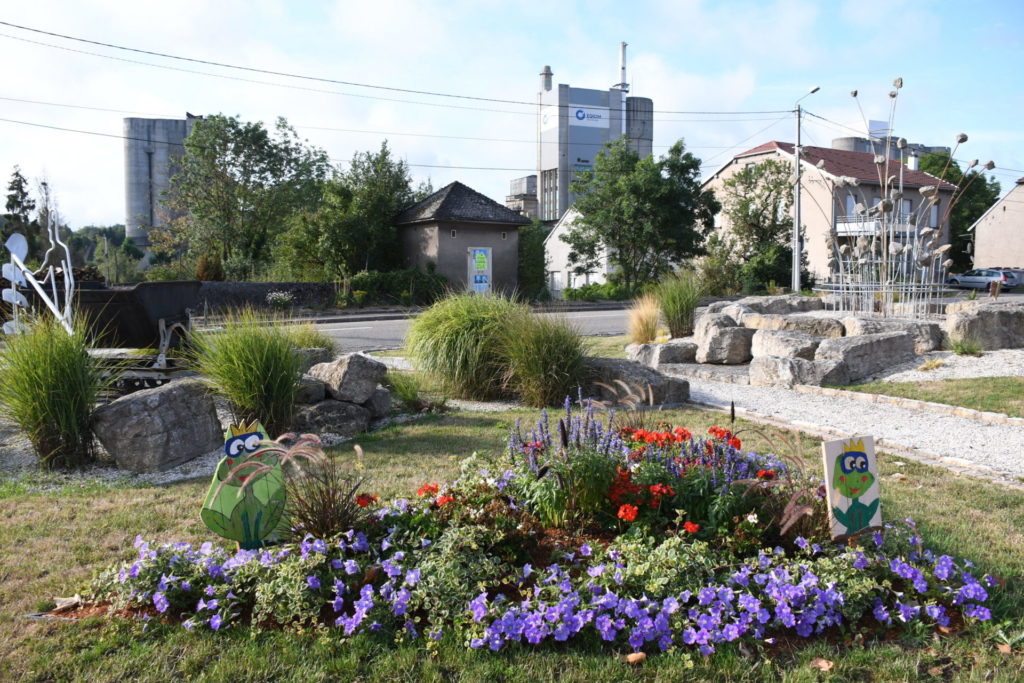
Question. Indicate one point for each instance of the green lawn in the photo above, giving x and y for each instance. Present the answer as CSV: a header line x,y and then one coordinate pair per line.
x,y
52,543
995,394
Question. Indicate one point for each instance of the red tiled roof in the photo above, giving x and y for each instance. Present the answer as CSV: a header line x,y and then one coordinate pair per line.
x,y
860,165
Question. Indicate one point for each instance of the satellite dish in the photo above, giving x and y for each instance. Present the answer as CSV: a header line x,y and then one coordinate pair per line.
x,y
12,273
12,296
17,245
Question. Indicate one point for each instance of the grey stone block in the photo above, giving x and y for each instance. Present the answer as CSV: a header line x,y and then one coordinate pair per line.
x,y
777,371
352,378
928,335
641,379
156,429
868,354
379,404
726,345
329,416
994,326
311,390
783,304
818,326
784,343
310,357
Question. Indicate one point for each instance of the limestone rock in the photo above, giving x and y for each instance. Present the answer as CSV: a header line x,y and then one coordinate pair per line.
x,y
737,310
334,417
310,357
868,354
816,325
992,325
784,343
708,325
726,345
156,429
783,304
661,388
311,390
352,377
777,371
379,404
642,353
681,350
927,335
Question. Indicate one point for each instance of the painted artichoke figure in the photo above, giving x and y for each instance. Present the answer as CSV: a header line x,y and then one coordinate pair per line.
x,y
246,499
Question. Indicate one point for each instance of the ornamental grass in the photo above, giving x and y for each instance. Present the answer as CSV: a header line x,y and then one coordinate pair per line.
x,y
50,387
544,358
643,317
252,363
678,297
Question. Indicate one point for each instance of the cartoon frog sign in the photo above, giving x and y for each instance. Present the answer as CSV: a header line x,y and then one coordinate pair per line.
x,y
851,472
246,499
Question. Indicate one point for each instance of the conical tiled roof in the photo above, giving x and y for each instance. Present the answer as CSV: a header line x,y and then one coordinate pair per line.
x,y
457,202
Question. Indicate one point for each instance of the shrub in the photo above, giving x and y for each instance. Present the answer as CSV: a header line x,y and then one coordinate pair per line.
x,y
408,389
608,291
678,297
50,385
252,363
719,268
642,327
544,359
391,287
323,498
308,336
459,342
965,346
280,299
209,268
359,297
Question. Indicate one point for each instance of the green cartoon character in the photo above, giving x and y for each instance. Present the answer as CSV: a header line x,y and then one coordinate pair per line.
x,y
246,499
852,478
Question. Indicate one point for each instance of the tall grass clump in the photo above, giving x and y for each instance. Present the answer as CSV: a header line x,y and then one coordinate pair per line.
x,y
252,363
965,346
545,360
308,336
642,326
678,297
50,385
458,341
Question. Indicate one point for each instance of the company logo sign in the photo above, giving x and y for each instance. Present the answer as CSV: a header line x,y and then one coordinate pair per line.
x,y
590,117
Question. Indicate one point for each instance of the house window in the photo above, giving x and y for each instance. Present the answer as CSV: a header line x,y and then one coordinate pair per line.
x,y
908,207
504,235
851,203
453,233
933,216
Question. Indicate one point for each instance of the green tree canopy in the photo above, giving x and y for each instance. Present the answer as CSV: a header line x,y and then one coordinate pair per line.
x,y
18,217
757,202
352,229
532,262
649,215
977,193
238,184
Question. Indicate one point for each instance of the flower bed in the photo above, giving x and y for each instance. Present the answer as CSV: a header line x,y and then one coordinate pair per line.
x,y
635,535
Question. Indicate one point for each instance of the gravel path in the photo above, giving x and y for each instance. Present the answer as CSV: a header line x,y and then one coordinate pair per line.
x,y
1001,363
991,446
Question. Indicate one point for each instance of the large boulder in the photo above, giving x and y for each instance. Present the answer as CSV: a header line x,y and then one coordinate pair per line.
x,y
310,357
816,325
783,304
777,371
654,386
379,404
927,335
332,417
680,350
725,346
352,377
156,429
868,354
992,325
784,343
311,390
709,324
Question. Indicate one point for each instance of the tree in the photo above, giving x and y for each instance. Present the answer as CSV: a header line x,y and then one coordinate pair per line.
x,y
649,215
352,229
18,217
237,185
757,201
975,197
532,262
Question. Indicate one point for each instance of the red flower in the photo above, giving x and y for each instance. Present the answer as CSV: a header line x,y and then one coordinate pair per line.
x,y
443,500
691,528
662,490
427,490
364,499
682,434
628,512
735,443
767,475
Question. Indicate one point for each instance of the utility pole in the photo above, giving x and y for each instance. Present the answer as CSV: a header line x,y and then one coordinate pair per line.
x,y
795,279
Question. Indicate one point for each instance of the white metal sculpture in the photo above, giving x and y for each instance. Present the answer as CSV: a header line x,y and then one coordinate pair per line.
x,y
18,274
891,264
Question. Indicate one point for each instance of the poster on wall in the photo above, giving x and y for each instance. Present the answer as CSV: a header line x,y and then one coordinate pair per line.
x,y
479,270
851,485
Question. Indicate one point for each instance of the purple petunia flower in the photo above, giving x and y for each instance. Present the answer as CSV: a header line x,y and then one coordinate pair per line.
x,y
215,622
313,582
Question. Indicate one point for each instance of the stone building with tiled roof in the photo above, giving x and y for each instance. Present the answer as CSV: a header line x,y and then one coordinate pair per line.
x,y
826,205
468,237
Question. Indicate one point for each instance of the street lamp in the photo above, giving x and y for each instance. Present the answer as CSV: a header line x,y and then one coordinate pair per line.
x,y
795,279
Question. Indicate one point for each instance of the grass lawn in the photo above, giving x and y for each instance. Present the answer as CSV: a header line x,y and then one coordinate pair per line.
x,y
996,394
53,542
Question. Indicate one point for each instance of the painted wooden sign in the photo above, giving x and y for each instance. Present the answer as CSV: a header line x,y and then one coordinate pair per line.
x,y
851,483
246,499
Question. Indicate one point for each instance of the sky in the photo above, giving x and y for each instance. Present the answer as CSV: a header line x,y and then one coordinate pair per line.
x,y
960,64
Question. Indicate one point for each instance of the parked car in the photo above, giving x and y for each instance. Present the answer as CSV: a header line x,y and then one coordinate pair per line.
x,y
982,278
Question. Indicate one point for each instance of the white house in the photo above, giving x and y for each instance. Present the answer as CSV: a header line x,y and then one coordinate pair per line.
x,y
556,254
999,233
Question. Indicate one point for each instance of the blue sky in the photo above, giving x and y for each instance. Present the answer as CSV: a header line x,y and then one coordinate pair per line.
x,y
960,63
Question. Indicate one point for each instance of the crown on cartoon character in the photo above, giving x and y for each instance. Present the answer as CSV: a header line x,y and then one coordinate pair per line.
x,y
243,428
853,458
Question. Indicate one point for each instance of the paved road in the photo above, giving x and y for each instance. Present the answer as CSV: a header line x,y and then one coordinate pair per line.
x,y
389,334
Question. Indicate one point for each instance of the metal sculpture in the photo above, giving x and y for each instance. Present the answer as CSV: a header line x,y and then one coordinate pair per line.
x,y
18,274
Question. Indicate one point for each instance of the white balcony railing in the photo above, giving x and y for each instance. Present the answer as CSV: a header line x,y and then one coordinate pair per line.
x,y
856,226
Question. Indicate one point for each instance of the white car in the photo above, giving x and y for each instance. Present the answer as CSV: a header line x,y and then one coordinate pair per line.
x,y
981,278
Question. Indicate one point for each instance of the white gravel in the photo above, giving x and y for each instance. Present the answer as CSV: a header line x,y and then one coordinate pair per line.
x,y
1001,363
997,447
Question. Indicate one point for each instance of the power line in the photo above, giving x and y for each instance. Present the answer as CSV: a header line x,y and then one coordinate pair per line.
x,y
320,79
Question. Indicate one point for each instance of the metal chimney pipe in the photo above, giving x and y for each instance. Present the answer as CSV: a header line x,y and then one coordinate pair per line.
x,y
623,85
